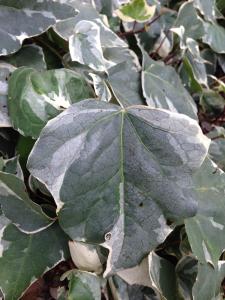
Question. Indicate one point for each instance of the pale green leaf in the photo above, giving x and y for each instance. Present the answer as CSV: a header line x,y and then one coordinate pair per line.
x,y
162,88
106,160
136,10
36,97
197,63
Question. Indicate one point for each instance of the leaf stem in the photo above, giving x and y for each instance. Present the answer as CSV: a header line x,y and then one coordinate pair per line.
x,y
131,32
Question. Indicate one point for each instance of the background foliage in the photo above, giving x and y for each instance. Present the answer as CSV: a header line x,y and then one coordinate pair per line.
x,y
112,152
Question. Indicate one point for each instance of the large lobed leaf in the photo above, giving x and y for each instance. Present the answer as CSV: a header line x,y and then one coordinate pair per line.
x,y
119,173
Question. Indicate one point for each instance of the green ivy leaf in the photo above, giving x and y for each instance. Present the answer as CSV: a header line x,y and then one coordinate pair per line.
x,y
36,97
136,10
25,257
22,19
206,231
141,159
162,88
83,286
18,207
188,23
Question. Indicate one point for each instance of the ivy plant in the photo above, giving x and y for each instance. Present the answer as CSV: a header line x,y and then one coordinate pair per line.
x,y
112,117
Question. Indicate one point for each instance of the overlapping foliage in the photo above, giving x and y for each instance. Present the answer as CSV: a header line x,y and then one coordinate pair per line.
x,y
112,147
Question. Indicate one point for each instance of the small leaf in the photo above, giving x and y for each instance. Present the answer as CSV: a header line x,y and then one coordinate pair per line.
x,y
18,207
36,97
162,88
26,257
83,286
131,166
212,102
136,10
188,23
206,231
